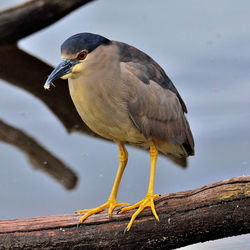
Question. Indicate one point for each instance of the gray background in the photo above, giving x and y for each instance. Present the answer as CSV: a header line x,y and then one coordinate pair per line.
x,y
203,46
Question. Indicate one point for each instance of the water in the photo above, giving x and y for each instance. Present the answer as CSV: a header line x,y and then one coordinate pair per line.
x,y
203,49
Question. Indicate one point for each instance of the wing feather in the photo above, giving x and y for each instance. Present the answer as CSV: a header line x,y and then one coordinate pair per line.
x,y
155,106
151,69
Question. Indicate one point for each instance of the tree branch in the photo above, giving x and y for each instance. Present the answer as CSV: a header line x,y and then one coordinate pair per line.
x,y
26,18
39,157
29,73
207,213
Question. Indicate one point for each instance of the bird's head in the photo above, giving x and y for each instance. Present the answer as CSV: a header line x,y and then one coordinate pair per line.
x,y
75,52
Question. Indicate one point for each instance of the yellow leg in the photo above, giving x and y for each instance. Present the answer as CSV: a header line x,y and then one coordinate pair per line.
x,y
149,199
111,203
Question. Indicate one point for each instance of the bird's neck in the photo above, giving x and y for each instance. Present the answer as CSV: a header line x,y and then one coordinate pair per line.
x,y
103,60
101,73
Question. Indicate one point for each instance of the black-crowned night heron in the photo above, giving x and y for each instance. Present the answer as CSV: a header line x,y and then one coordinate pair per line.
x,y
123,95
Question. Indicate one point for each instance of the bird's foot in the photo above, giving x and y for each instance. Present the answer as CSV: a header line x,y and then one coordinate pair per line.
x,y
147,202
110,204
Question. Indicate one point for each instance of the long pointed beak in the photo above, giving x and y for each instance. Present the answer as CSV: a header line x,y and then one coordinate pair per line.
x,y
65,67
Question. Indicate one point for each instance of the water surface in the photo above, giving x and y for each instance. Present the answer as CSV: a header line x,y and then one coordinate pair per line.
x,y
204,50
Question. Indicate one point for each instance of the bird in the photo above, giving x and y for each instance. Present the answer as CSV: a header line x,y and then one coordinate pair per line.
x,y
123,95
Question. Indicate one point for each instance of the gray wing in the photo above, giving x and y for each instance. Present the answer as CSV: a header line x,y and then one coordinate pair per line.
x,y
151,69
155,105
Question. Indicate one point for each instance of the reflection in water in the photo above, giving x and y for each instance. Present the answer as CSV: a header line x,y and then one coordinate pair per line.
x,y
39,157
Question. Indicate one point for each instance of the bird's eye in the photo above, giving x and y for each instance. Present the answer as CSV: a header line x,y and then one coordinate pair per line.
x,y
82,55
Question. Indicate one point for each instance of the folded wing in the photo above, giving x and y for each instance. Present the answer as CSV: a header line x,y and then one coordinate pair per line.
x,y
155,106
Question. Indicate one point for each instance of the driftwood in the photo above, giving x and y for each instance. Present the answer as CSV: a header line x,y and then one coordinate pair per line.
x,y
26,18
207,213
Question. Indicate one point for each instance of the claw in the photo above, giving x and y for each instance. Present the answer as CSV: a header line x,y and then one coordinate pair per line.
x,y
111,204
147,202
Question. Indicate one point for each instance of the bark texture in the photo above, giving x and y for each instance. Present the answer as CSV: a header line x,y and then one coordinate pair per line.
x,y
207,213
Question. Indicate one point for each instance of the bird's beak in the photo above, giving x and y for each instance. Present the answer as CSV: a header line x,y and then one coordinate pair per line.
x,y
64,68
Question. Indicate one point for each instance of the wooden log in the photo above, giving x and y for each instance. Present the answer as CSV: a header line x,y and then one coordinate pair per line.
x,y
207,213
26,18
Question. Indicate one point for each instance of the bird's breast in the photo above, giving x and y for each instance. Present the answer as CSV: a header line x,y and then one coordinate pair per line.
x,y
101,101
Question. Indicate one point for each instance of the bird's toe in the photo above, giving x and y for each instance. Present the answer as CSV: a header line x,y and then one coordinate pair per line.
x,y
111,204
147,202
